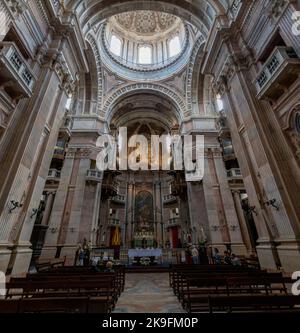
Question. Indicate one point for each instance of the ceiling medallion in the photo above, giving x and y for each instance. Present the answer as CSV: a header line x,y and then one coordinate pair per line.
x,y
146,22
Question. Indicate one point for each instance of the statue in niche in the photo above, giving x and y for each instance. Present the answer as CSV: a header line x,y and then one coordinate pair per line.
x,y
144,211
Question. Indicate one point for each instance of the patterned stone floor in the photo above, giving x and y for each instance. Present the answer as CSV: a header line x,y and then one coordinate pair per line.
x,y
148,293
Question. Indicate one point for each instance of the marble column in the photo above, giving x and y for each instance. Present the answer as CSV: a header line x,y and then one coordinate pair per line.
x,y
242,222
48,208
198,212
231,222
90,210
129,208
47,113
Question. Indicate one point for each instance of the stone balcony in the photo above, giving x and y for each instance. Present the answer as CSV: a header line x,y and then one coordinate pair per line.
x,y
109,189
119,199
54,175
169,199
222,127
278,73
65,129
94,176
173,222
59,153
113,222
234,174
17,78
228,153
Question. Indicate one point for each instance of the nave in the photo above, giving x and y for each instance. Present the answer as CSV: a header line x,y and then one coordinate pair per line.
x,y
148,293
183,289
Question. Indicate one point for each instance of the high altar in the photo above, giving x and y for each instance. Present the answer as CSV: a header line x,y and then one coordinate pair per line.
x,y
144,227
144,239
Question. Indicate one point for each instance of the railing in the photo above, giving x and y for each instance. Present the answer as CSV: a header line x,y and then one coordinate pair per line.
x,y
234,173
174,221
13,60
119,198
112,188
59,152
113,222
67,125
54,174
169,198
94,175
278,59
222,126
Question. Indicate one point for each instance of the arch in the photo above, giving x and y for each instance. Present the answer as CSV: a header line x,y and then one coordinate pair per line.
x,y
195,12
193,76
178,102
93,44
289,122
144,107
217,5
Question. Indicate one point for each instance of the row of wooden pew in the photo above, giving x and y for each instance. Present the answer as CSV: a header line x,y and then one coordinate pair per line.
x,y
64,289
225,288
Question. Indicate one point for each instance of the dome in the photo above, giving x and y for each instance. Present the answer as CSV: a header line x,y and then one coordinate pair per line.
x,y
146,40
146,22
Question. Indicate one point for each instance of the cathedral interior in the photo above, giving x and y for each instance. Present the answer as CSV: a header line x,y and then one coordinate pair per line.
x,y
72,71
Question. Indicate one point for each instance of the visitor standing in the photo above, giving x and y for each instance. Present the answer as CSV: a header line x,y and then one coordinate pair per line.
x,y
80,256
227,259
235,260
195,255
217,257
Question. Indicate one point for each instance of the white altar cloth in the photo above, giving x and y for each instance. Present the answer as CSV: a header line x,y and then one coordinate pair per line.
x,y
144,253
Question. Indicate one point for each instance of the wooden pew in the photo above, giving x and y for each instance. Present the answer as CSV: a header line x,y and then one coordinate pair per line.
x,y
102,291
55,305
193,287
254,303
180,280
45,265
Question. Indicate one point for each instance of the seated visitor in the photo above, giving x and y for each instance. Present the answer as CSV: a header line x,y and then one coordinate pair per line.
x,y
109,267
227,259
235,260
96,264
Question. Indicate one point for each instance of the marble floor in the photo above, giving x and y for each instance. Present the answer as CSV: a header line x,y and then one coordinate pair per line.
x,y
148,293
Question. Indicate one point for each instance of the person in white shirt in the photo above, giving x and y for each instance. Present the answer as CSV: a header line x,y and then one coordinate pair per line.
x,y
235,260
195,255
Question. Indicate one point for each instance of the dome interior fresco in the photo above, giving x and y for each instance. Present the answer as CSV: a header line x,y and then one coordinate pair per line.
x,y
145,23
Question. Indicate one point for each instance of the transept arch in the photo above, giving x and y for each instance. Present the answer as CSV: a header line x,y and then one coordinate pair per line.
x,y
199,13
177,101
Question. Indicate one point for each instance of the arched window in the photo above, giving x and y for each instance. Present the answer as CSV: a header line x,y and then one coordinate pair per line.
x,y
145,55
220,103
174,46
68,103
116,45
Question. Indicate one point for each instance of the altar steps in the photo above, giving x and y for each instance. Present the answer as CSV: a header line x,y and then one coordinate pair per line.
x,y
147,269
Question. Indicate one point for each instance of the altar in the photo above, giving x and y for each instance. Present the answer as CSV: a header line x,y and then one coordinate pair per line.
x,y
140,253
